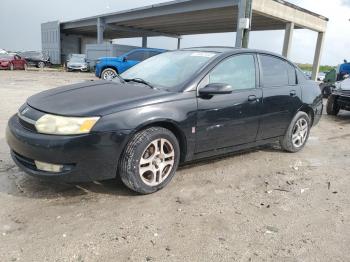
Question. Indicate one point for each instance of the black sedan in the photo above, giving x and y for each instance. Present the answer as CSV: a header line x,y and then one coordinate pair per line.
x,y
173,108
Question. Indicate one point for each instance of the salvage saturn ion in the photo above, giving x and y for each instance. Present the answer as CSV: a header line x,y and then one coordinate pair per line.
x,y
173,108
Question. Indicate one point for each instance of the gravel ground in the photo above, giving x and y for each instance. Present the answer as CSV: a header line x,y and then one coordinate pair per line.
x,y
259,205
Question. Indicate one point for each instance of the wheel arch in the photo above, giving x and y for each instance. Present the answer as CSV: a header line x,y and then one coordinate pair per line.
x,y
309,111
173,127
109,66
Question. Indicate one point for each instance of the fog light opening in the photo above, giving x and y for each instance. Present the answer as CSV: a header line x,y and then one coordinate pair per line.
x,y
47,167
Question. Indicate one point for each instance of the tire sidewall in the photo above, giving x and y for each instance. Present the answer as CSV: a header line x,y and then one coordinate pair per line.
x,y
287,141
131,176
332,108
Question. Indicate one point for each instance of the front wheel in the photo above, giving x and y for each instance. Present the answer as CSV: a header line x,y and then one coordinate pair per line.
x,y
332,106
108,74
297,133
150,160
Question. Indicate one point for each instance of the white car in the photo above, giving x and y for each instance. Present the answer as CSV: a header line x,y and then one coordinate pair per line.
x,y
321,76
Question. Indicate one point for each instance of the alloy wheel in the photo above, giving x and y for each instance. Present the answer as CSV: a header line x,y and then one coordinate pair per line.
x,y
157,162
300,132
108,75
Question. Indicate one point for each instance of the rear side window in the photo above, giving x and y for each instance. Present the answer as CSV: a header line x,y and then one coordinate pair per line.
x,y
237,71
276,72
151,53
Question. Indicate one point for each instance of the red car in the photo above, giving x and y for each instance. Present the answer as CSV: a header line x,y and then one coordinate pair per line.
x,y
12,62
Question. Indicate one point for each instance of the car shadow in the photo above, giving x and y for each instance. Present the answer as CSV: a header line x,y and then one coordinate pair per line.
x,y
17,183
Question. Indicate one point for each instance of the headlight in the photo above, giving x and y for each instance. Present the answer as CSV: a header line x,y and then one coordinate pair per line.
x,y
59,125
98,61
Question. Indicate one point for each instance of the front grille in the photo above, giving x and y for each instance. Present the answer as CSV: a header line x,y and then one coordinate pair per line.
x,y
28,163
345,92
26,123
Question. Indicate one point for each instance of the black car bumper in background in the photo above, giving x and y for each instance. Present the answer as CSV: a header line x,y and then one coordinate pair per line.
x,y
84,158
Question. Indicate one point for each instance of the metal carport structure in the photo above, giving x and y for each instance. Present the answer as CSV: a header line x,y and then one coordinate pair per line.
x,y
190,17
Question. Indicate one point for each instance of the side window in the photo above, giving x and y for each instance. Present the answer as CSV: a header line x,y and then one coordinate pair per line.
x,y
237,71
276,72
149,54
137,56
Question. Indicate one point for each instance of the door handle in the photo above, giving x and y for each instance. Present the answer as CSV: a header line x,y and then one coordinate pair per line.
x,y
252,98
293,93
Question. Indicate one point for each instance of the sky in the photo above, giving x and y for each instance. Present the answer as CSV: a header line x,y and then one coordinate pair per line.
x,y
20,27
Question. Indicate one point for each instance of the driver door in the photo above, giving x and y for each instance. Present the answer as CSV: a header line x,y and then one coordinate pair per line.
x,y
231,119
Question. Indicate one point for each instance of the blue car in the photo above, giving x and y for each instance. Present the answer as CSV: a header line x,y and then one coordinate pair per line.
x,y
108,67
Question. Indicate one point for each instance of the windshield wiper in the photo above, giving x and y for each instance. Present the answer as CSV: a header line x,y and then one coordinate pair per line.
x,y
122,80
141,81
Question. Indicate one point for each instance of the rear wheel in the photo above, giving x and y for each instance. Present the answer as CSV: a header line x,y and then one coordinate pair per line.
x,y
150,160
297,133
332,106
108,74
41,65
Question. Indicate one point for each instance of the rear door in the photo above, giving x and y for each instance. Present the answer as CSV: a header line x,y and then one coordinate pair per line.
x,y
281,96
231,119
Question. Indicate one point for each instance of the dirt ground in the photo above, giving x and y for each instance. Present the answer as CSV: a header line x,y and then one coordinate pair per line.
x,y
260,205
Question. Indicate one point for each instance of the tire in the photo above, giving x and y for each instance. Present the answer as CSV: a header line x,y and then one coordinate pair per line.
x,y
297,133
141,169
108,74
326,91
11,67
332,107
41,65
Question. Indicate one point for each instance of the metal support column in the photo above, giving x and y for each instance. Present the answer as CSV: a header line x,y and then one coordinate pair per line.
x,y
179,43
245,10
144,41
288,39
318,54
100,30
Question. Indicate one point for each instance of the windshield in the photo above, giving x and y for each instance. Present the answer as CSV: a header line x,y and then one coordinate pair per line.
x,y
77,59
169,69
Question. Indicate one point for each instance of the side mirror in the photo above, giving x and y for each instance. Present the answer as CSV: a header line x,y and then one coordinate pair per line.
x,y
215,89
125,59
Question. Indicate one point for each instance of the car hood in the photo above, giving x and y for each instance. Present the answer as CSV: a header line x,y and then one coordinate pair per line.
x,y
345,85
95,98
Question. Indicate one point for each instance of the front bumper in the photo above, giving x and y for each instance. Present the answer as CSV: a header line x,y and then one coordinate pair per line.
x,y
89,157
76,68
343,100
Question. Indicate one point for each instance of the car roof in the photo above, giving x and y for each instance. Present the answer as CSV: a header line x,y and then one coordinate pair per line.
x,y
231,50
148,49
